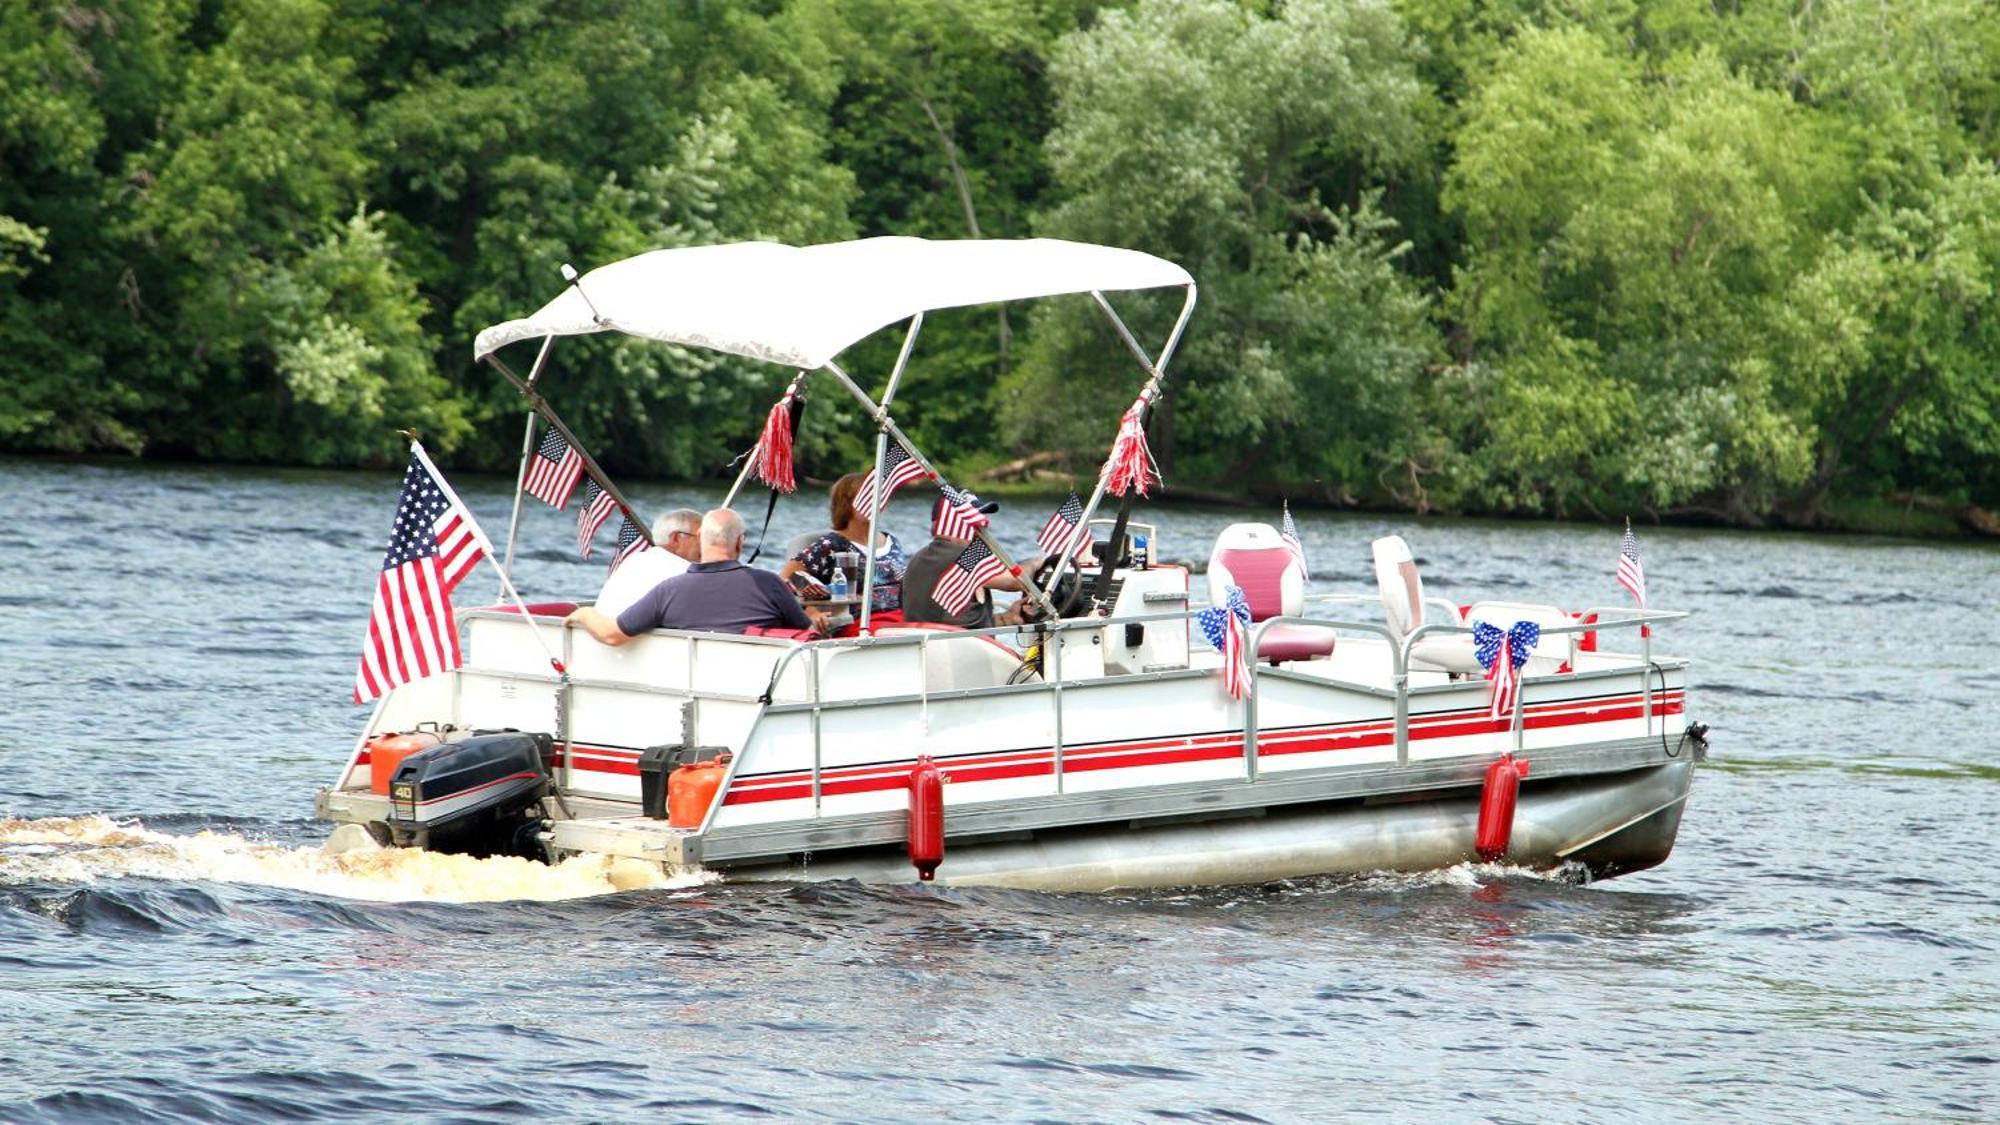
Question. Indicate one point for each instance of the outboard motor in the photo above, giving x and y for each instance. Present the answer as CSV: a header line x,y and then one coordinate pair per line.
x,y
472,797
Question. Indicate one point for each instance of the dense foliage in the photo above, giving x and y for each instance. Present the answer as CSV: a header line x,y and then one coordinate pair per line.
x,y
1537,256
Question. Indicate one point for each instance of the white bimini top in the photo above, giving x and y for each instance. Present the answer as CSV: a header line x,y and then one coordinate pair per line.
x,y
803,305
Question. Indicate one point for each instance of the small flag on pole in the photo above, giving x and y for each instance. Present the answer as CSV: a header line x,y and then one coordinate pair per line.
x,y
1289,532
1502,652
1631,572
975,567
1224,626
433,545
959,516
630,542
597,507
898,469
1061,525
553,471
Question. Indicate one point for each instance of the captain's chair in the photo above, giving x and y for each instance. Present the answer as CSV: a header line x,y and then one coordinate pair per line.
x,y
1253,556
1403,604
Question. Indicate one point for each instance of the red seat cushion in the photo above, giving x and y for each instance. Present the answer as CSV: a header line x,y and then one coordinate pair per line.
x,y
1294,642
780,632
1261,574
539,609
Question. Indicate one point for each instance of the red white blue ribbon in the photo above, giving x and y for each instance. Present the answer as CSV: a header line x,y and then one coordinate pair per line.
x,y
1505,675
1226,627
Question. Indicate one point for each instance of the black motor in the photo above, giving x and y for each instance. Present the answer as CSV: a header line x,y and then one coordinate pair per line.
x,y
478,796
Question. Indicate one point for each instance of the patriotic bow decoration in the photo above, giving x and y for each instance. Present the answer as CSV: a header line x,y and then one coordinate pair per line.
x,y
1226,627
1130,467
1519,638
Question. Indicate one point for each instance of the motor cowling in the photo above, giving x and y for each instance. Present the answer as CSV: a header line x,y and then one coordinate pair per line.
x,y
471,797
1496,806
926,836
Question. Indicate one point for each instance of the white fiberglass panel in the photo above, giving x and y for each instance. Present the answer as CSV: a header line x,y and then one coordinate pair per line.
x,y
733,665
511,644
1314,726
655,659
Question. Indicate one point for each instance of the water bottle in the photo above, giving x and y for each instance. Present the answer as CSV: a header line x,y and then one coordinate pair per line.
x,y
1140,556
838,587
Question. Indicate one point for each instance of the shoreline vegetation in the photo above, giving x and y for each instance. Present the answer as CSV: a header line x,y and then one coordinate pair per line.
x,y
1686,262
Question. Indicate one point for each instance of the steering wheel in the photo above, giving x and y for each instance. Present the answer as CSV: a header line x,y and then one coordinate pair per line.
x,y
1068,595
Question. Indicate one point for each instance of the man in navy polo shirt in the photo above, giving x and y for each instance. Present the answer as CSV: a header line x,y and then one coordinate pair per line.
x,y
717,594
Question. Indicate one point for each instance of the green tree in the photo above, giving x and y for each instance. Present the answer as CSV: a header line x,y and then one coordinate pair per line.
x,y
1250,148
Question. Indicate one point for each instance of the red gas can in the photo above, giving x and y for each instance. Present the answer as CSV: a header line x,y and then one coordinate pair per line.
x,y
691,789
1496,806
387,751
926,818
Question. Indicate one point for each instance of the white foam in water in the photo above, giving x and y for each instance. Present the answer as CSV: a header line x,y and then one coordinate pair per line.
x,y
86,849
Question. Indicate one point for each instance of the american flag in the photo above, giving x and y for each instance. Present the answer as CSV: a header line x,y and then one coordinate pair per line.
x,y
553,471
959,516
630,542
974,567
898,469
1516,641
432,547
597,507
1631,572
1057,531
1289,532
1224,626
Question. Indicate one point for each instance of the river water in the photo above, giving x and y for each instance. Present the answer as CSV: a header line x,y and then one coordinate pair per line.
x,y
1824,942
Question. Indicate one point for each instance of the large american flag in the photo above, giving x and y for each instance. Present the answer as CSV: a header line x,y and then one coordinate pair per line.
x,y
630,542
1224,626
1289,532
974,567
597,507
1631,572
1057,531
898,469
432,547
553,471
959,516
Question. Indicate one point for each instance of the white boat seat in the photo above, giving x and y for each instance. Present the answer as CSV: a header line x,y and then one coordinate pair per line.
x,y
1253,556
1402,590
957,664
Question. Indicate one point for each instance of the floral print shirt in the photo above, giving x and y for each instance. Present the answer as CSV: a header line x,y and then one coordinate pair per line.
x,y
890,562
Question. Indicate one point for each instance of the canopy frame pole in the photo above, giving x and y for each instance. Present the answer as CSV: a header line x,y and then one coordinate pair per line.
x,y
881,454
506,566
541,406
1156,375
797,387
890,429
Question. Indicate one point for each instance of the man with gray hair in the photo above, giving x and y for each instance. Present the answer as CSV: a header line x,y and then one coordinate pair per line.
x,y
718,594
676,543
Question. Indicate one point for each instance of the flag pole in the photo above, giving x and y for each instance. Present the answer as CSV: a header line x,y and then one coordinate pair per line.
x,y
541,406
486,545
527,450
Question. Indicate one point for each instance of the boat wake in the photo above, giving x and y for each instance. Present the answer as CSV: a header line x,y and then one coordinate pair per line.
x,y
348,865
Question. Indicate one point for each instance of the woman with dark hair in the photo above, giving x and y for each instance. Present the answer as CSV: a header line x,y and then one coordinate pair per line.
x,y
850,531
